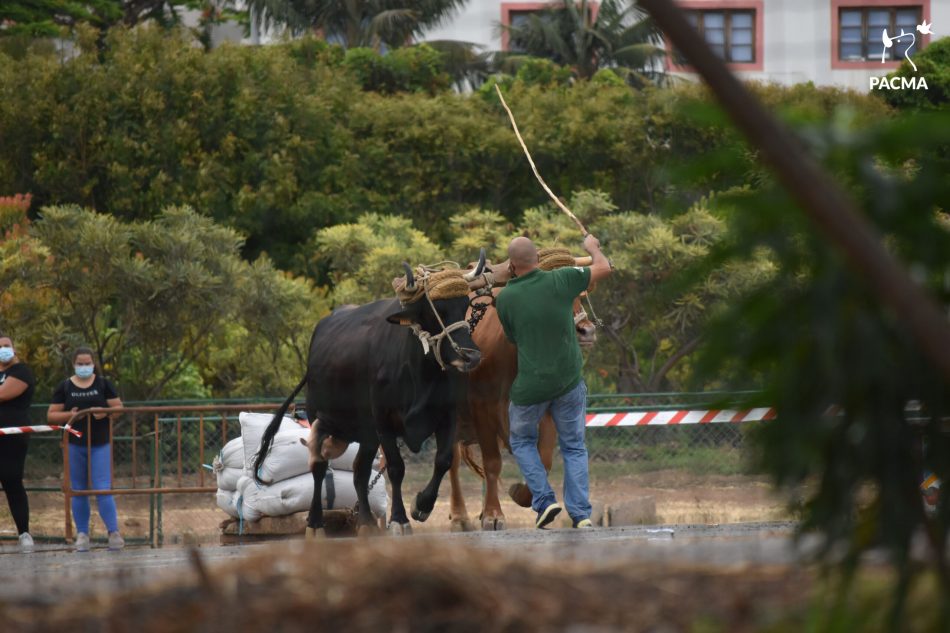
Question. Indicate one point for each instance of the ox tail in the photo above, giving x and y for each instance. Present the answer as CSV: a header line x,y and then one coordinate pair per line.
x,y
271,431
469,457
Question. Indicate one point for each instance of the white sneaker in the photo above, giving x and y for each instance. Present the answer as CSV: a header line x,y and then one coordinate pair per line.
x,y
82,542
116,541
26,543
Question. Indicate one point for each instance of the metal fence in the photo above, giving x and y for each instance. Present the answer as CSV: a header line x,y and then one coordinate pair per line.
x,y
165,492
711,445
161,480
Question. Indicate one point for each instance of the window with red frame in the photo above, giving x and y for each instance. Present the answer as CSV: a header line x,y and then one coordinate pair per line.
x,y
861,32
729,32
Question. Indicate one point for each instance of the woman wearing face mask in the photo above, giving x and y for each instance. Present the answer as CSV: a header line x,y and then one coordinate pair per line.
x,y
90,457
16,394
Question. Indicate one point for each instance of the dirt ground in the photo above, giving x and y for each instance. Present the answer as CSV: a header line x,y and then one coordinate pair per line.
x,y
680,498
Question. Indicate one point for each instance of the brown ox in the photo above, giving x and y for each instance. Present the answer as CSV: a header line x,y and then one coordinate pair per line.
x,y
486,413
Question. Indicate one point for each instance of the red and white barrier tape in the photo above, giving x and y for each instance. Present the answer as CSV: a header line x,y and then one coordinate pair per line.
x,y
663,418
39,428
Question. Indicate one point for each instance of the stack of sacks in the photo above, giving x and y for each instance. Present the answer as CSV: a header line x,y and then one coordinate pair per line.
x,y
228,467
289,487
232,464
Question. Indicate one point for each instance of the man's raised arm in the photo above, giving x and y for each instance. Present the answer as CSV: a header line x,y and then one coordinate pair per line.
x,y
599,267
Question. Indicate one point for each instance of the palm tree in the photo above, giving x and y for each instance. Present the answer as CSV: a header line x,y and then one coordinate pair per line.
x,y
352,23
620,37
467,63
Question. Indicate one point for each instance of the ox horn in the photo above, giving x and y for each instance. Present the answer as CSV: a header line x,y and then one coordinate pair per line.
x,y
583,261
471,276
410,280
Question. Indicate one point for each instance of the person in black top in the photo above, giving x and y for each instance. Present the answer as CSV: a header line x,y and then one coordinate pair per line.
x,y
16,395
90,457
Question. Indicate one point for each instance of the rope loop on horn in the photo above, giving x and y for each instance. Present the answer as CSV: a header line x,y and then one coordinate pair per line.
x,y
441,284
434,285
553,258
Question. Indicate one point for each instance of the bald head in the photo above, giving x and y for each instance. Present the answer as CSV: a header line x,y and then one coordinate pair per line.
x,y
523,255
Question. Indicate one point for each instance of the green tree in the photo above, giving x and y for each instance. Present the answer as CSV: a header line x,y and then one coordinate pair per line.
x,y
468,64
156,121
363,258
280,141
156,300
651,318
621,36
933,64
408,69
263,349
53,18
861,411
23,301
48,18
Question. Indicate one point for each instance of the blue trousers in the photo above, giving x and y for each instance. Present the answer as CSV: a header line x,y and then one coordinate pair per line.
x,y
96,462
568,412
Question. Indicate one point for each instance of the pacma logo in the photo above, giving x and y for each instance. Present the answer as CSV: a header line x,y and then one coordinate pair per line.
x,y
901,83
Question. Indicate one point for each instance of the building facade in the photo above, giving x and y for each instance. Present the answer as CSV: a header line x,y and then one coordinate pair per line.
x,y
827,42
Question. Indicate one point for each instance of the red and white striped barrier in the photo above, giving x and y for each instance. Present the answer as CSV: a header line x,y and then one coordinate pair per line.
x,y
666,418
39,428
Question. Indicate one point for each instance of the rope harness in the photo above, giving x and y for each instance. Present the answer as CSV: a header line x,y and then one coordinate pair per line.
x,y
594,318
430,341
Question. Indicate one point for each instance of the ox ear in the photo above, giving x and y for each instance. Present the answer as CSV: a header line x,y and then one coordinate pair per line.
x,y
408,315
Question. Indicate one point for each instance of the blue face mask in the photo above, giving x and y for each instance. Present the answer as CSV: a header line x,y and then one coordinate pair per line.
x,y
6,354
84,371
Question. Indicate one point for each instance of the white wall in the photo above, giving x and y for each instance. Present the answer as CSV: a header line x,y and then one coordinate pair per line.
x,y
476,22
798,45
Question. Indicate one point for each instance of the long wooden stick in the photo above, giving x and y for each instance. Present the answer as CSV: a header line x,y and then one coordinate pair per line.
x,y
550,193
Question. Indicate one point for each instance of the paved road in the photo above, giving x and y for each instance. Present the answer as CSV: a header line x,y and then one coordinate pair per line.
x,y
53,572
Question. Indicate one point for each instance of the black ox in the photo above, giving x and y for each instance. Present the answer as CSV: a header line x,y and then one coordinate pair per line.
x,y
370,380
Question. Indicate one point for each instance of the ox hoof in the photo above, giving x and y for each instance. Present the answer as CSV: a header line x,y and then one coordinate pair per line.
x,y
418,514
400,529
520,494
461,525
493,524
312,534
368,530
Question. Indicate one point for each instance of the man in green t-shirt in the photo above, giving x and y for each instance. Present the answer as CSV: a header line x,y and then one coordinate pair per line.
x,y
536,312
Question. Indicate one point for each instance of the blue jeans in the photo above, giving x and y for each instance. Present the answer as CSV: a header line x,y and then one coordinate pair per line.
x,y
568,412
100,469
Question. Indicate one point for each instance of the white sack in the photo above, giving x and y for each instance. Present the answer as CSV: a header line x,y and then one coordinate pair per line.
x,y
345,461
228,501
294,495
345,493
242,483
245,485
287,457
232,455
228,478
252,429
